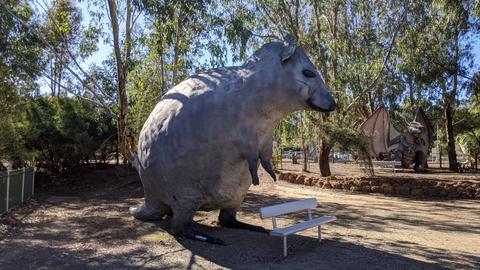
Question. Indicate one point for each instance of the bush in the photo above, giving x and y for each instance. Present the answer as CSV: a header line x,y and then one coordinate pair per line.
x,y
60,133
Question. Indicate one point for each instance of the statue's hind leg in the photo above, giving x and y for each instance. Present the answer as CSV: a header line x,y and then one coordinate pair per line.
x,y
182,225
150,209
145,211
228,218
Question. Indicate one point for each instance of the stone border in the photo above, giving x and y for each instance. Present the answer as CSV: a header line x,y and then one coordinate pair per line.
x,y
389,185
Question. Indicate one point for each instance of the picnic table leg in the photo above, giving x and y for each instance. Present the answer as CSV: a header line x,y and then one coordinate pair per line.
x,y
284,246
319,235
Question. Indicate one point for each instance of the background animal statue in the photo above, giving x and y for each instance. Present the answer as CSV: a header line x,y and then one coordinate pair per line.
x,y
201,145
390,144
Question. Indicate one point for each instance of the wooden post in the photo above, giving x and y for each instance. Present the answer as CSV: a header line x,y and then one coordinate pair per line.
x,y
23,182
319,234
33,180
476,161
440,154
8,190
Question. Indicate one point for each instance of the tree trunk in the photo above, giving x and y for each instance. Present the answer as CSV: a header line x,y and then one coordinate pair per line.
x,y
440,154
116,154
324,151
302,138
52,78
176,48
305,158
59,81
371,103
452,155
162,67
449,99
122,70
412,99
476,161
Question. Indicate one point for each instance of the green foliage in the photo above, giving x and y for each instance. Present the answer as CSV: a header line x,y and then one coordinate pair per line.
x,y
20,63
20,54
402,55
12,143
59,133
61,35
467,125
346,138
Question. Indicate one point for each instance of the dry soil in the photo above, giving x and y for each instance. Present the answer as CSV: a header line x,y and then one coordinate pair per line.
x,y
90,228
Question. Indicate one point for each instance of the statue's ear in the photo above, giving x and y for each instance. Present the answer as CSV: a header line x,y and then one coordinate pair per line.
x,y
290,46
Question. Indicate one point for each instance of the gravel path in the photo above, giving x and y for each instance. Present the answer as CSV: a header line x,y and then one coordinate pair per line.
x,y
91,229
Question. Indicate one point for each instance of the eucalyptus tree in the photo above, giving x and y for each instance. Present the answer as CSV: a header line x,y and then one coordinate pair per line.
x,y
468,129
122,49
167,47
63,31
121,21
20,65
184,37
450,58
351,42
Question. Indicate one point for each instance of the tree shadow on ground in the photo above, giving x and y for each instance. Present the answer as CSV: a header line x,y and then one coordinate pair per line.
x,y
245,250
264,252
249,249
60,258
95,231
359,216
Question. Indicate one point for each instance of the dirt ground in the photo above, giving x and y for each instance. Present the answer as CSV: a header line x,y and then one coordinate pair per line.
x,y
84,224
352,169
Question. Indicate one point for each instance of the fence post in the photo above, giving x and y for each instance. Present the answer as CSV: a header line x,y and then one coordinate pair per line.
x,y
33,180
8,190
23,182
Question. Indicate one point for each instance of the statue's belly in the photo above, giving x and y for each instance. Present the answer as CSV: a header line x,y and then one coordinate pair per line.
x,y
205,182
230,189
194,162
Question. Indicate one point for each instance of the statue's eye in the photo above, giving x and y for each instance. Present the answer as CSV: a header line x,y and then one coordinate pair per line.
x,y
308,73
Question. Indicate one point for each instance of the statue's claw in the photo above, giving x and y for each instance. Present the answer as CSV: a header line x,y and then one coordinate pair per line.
x,y
268,168
252,167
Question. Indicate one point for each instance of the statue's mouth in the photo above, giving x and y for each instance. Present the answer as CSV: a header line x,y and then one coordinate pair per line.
x,y
318,108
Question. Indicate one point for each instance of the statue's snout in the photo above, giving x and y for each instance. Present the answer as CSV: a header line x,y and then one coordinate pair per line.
x,y
321,99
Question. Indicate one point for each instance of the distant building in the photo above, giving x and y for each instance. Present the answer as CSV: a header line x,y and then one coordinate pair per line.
x,y
435,154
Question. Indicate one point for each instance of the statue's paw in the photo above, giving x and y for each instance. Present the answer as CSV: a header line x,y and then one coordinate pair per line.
x,y
142,212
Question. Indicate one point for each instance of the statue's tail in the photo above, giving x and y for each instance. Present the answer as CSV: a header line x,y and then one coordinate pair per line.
x,y
136,162
143,211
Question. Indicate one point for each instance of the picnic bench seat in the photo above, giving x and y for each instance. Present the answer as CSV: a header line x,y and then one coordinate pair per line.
x,y
285,208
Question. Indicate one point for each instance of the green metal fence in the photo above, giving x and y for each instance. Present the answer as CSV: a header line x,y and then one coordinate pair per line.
x,y
16,186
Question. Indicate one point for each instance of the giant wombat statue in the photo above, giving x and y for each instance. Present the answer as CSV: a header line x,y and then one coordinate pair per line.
x,y
200,147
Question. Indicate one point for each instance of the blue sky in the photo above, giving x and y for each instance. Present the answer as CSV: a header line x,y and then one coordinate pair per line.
x,y
105,49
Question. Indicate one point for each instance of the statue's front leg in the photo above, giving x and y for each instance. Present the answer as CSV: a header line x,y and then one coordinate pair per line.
x,y
420,160
228,218
182,225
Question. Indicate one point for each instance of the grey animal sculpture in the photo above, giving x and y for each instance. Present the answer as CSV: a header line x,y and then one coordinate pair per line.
x,y
201,145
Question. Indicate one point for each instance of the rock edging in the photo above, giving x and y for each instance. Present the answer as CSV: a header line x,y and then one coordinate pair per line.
x,y
388,185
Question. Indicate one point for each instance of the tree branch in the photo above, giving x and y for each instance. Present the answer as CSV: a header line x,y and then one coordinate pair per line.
x,y
385,60
265,36
100,104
